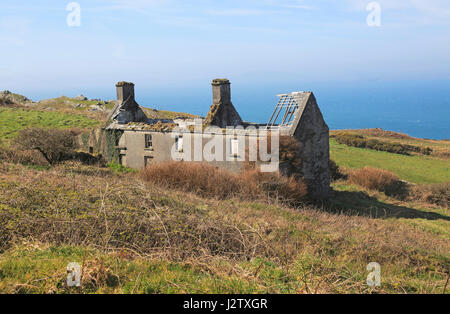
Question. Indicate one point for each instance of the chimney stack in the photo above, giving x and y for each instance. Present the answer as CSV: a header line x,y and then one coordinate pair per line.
x,y
222,112
221,91
125,90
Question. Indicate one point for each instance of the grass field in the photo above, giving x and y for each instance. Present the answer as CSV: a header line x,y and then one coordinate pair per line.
x,y
415,169
12,120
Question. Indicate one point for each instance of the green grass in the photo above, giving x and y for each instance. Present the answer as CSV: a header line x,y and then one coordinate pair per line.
x,y
64,102
416,169
12,120
36,268
116,168
42,269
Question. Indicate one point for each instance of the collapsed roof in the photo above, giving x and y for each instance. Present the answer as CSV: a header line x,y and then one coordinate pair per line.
x,y
128,115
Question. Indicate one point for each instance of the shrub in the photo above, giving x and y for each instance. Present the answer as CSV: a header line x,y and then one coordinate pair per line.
x,y
54,145
288,154
24,157
289,190
208,181
375,179
438,193
335,171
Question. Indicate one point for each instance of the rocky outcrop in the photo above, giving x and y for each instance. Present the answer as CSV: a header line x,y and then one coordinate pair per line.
x,y
81,98
10,98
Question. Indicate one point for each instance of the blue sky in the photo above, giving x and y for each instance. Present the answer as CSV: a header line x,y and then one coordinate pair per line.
x,y
175,44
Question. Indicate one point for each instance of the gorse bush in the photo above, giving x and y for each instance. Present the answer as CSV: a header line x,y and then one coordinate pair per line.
x,y
208,181
360,141
375,179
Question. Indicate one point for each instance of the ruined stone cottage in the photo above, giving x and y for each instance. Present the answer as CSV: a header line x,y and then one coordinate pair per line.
x,y
134,140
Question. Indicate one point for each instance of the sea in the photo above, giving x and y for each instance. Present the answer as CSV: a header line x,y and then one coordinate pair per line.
x,y
419,109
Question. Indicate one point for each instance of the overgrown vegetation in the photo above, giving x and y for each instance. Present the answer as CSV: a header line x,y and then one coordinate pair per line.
x,y
336,172
438,194
360,141
208,181
43,147
288,147
376,179
388,183
54,145
134,237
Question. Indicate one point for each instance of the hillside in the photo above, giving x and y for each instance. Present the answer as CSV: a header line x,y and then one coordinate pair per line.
x,y
414,168
132,235
18,112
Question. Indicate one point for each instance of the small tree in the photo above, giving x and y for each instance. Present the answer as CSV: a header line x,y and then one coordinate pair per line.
x,y
54,145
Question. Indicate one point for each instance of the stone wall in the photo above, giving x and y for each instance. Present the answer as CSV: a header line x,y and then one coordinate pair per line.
x,y
313,135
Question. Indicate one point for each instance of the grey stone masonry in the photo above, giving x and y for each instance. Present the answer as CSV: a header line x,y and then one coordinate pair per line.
x,y
222,112
127,109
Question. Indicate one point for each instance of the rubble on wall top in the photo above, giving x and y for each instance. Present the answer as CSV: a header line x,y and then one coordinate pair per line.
x,y
158,126
220,81
123,83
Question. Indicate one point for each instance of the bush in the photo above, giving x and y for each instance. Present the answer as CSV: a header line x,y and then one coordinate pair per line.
x,y
289,148
335,171
438,194
54,145
208,181
24,157
375,179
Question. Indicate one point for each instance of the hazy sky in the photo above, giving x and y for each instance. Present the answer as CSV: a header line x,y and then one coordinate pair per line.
x,y
189,42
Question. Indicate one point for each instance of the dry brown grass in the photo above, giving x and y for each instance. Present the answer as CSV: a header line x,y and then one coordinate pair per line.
x,y
438,194
24,157
372,178
319,251
112,213
208,181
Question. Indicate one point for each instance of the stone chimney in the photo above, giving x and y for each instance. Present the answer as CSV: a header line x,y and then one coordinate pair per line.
x,y
125,90
221,91
222,112
127,109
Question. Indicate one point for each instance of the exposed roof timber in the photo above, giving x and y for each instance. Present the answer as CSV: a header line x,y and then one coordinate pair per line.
x,y
290,104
